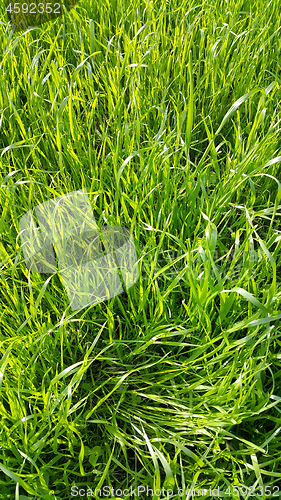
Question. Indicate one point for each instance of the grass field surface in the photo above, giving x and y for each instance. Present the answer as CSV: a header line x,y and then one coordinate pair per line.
x,y
168,114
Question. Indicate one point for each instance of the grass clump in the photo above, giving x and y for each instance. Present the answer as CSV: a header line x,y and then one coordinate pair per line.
x,y
168,114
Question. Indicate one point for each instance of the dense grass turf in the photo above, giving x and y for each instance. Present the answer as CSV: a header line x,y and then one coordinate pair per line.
x,y
168,113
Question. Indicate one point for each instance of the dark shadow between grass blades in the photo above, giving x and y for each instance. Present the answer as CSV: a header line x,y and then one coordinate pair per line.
x,y
28,14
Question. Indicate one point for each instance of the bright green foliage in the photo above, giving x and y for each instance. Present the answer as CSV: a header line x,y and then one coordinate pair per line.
x,y
168,113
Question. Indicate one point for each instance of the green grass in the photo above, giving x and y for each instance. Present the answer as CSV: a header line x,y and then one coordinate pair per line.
x,y
168,113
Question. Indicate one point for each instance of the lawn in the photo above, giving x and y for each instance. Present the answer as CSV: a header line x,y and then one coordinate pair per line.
x,y
168,114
